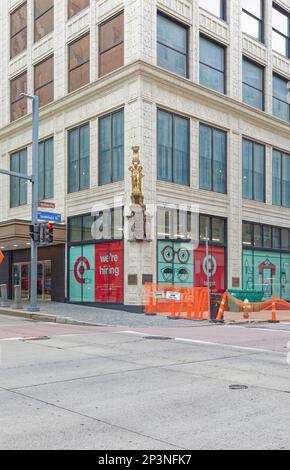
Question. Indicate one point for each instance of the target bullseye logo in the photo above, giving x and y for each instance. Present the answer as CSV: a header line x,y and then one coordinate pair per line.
x,y
209,265
80,267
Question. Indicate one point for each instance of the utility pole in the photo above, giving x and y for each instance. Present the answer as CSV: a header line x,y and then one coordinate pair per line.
x,y
34,180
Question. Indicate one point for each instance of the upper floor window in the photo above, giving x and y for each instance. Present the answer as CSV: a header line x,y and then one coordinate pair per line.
x,y
43,81
217,7
43,18
281,31
212,65
172,45
75,6
253,84
18,30
111,148
281,179
79,158
173,148
111,48
79,63
253,18
18,187
281,107
253,171
213,159
45,169
18,103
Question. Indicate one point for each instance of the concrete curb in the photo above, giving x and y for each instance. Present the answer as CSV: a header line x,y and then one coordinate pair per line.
x,y
45,317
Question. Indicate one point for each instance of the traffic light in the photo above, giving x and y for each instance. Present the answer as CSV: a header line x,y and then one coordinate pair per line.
x,y
48,233
34,232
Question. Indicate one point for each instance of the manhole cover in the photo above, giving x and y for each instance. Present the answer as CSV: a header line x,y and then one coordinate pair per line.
x,y
238,387
160,338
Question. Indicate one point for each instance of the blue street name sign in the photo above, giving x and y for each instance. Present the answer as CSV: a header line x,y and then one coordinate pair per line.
x,y
49,216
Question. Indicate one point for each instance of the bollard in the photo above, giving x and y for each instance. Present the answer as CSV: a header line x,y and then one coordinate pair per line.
x,y
17,305
4,298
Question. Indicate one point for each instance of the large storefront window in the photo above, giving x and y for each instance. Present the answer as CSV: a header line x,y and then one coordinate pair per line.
x,y
95,261
266,260
184,263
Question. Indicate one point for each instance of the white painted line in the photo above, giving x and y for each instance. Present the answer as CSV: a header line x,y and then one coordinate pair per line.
x,y
207,343
259,329
10,339
229,346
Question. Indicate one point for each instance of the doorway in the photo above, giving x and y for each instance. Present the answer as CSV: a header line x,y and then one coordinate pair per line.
x,y
21,277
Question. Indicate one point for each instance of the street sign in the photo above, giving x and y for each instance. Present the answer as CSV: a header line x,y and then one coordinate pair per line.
x,y
46,205
159,295
1,257
49,216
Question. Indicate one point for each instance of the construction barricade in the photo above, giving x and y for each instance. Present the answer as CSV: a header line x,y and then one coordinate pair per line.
x,y
272,310
177,302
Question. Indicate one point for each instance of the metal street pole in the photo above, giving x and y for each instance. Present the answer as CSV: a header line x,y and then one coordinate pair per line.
x,y
34,244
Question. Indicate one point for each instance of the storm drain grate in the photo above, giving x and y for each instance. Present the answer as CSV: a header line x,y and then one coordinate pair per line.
x,y
159,338
238,387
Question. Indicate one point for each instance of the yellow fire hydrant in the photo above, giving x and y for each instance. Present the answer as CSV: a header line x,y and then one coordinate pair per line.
x,y
246,309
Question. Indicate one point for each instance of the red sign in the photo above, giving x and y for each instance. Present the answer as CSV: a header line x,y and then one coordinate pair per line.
x,y
46,205
1,257
109,272
212,268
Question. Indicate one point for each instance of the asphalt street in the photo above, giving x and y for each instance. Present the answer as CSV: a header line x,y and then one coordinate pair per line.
x,y
156,387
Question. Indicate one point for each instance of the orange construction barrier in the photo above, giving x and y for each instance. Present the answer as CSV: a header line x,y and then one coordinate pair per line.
x,y
190,303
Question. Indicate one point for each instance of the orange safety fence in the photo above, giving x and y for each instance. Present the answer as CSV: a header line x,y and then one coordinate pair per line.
x,y
271,310
190,303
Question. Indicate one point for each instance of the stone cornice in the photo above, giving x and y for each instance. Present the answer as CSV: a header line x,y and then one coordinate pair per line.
x,y
174,84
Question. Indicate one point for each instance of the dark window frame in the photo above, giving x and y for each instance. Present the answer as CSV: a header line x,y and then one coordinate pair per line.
x,y
19,180
36,18
19,99
187,28
79,65
12,36
72,16
224,47
253,247
83,241
46,84
173,115
253,142
282,155
247,59
261,23
69,191
287,38
223,10
46,196
117,111
280,77
213,128
100,53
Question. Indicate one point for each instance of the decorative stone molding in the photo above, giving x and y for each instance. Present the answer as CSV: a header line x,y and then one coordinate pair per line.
x,y
218,28
281,64
255,49
78,24
182,8
43,48
18,64
107,7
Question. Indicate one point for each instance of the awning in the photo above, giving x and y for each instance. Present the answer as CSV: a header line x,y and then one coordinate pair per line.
x,y
14,235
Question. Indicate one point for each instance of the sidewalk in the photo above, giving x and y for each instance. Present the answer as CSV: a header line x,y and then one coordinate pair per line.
x,y
106,317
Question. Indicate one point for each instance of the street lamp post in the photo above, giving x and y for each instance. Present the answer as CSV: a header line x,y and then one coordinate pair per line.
x,y
34,244
34,181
